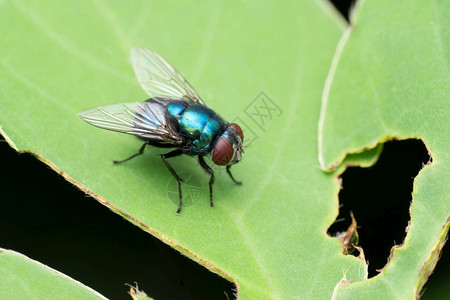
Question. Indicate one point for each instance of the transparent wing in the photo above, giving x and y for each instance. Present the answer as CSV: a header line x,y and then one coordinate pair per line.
x,y
159,79
146,120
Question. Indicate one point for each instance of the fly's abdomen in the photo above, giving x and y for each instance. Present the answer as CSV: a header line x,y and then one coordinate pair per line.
x,y
198,122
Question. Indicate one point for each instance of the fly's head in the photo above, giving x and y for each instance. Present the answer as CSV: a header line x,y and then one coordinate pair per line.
x,y
228,147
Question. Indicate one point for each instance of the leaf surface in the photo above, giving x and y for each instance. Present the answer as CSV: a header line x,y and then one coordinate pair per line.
x,y
260,64
24,278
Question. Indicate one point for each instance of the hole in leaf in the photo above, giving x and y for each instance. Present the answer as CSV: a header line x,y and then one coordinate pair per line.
x,y
380,197
343,6
47,219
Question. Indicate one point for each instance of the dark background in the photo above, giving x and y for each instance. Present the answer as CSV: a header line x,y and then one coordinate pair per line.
x,y
102,250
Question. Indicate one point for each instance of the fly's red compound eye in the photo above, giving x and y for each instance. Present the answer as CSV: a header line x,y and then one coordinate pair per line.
x,y
223,152
238,129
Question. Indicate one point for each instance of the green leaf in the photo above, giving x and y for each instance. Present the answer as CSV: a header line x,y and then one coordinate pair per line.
x,y
390,79
24,278
269,235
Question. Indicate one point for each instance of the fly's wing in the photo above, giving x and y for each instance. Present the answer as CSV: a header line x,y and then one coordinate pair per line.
x,y
146,120
159,79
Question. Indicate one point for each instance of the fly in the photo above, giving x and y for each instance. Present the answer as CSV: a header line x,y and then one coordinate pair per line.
x,y
174,117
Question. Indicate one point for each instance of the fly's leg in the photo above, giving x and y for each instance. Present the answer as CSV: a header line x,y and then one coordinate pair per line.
x,y
141,150
211,180
164,158
231,176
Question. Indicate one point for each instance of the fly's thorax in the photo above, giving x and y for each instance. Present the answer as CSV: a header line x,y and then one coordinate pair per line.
x,y
210,131
198,122
228,148
192,118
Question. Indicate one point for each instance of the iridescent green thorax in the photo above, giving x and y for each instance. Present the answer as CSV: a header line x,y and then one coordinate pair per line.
x,y
197,122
